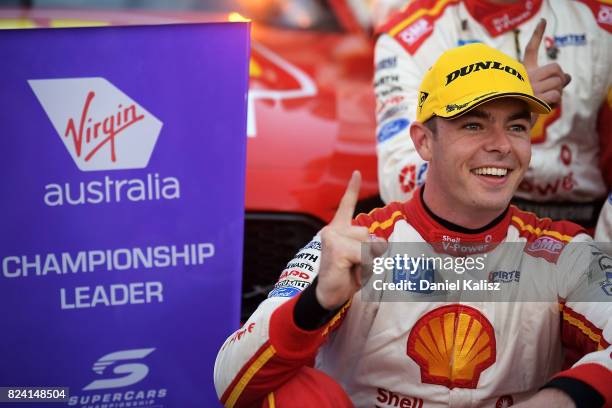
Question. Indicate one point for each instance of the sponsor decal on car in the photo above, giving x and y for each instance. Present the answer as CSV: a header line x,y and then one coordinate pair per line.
x,y
388,130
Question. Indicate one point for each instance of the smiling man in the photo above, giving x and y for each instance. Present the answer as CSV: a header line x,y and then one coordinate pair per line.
x,y
320,340
483,110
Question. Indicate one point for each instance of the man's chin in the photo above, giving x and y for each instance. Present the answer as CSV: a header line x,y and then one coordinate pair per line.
x,y
492,202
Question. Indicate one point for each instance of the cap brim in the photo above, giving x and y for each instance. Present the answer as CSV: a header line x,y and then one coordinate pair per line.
x,y
536,105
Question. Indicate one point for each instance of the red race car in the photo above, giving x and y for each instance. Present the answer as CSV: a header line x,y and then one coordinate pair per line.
x,y
310,119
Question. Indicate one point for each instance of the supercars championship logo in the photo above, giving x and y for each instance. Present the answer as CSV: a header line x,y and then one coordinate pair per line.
x,y
121,369
101,127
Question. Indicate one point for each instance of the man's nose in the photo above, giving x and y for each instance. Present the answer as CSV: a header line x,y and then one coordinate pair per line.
x,y
498,141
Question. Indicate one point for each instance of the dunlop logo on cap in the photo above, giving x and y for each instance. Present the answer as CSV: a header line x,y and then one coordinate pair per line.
x,y
482,65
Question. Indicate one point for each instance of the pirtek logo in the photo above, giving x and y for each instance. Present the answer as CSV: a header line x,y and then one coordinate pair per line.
x,y
482,65
102,128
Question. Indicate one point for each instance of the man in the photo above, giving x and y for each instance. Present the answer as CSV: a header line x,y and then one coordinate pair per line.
x,y
564,180
473,128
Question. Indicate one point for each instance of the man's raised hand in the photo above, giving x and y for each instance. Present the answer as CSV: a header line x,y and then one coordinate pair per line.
x,y
340,269
549,80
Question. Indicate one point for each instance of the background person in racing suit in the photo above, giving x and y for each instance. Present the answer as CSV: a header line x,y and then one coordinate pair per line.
x,y
603,232
423,353
563,181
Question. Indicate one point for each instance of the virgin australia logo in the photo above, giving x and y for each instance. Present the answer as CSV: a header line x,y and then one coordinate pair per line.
x,y
102,128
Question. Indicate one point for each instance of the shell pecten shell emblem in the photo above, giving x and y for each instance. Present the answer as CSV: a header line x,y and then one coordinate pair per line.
x,y
452,345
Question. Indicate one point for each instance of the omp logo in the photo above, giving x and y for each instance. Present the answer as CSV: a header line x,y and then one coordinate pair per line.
x,y
415,31
546,244
135,372
102,128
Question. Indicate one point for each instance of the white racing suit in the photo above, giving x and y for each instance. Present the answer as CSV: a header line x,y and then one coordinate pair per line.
x,y
438,354
603,232
564,165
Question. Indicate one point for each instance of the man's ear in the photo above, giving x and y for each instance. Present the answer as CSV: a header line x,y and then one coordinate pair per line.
x,y
422,138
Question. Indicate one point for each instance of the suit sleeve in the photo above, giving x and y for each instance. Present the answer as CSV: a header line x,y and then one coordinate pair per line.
x,y
397,78
271,348
585,287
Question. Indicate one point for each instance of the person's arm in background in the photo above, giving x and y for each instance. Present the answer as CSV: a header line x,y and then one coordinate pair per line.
x,y
397,77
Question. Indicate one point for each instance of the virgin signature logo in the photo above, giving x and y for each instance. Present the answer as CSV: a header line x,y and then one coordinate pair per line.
x,y
101,127
100,133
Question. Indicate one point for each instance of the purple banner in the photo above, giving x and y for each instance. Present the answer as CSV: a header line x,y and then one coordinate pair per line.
x,y
122,209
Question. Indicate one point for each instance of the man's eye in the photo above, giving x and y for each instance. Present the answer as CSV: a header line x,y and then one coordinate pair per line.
x,y
472,126
518,128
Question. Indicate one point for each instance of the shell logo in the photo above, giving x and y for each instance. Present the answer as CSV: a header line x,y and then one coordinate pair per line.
x,y
452,345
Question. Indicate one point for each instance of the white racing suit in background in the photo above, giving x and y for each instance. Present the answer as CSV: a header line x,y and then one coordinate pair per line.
x,y
564,166
603,232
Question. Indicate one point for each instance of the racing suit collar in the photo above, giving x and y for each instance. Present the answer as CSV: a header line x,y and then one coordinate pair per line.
x,y
449,237
501,18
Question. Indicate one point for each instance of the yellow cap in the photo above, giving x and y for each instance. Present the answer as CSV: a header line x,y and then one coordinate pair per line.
x,y
467,76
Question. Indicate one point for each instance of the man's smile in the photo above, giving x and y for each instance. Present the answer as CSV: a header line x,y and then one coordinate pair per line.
x,y
491,174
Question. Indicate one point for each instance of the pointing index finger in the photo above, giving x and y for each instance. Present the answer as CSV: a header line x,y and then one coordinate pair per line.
x,y
531,51
346,209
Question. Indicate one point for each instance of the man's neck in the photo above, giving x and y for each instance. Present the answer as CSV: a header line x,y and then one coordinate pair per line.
x,y
472,219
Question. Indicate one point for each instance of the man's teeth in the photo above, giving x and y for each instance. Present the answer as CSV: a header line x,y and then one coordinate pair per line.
x,y
491,171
